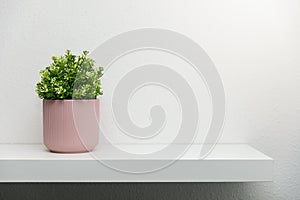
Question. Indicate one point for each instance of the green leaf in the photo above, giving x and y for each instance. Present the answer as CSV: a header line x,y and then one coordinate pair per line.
x,y
70,77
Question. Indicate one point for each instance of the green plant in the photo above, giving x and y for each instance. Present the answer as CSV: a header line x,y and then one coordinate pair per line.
x,y
70,77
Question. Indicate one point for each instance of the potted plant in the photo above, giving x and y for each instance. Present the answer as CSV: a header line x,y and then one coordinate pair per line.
x,y
69,88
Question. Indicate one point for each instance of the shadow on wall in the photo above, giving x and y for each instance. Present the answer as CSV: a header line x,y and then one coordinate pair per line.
x,y
74,191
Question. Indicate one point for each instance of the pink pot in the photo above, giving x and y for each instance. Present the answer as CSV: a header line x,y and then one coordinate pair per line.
x,y
70,126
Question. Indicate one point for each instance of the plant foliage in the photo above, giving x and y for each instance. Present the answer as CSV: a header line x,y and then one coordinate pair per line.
x,y
70,77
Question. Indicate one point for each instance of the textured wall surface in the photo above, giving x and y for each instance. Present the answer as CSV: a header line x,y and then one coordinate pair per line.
x,y
255,46
174,191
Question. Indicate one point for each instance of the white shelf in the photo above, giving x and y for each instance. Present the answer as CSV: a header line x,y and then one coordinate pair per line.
x,y
226,163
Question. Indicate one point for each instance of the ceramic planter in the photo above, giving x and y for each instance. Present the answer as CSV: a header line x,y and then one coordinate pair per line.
x,y
70,126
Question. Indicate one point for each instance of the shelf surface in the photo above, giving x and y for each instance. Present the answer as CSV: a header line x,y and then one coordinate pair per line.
x,y
225,163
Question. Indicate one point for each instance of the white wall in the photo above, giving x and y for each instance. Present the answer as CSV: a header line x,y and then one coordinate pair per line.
x,y
255,46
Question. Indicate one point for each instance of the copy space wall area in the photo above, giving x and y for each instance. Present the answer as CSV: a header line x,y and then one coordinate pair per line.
x,y
255,46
